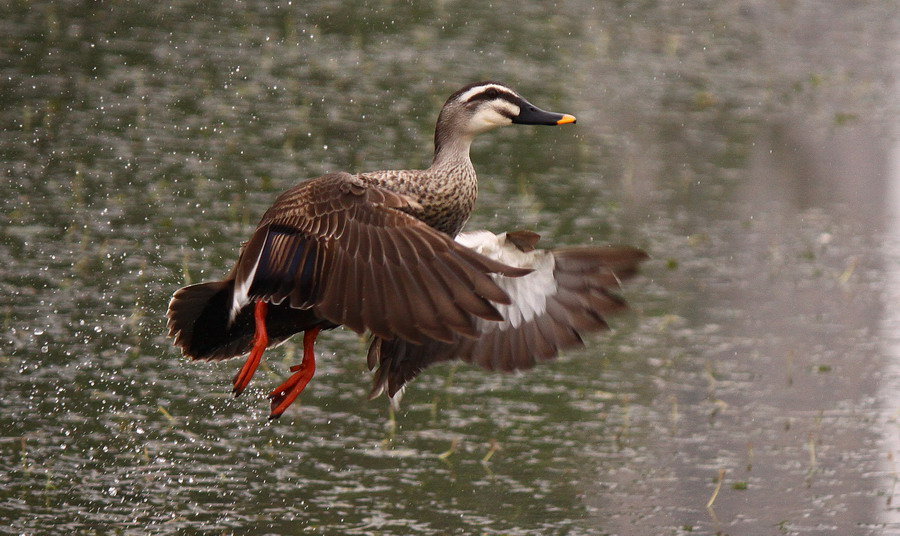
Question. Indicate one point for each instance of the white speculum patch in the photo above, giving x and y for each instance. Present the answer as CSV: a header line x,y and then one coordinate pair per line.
x,y
240,297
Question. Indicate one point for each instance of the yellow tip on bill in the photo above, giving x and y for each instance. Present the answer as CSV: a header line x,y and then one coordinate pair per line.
x,y
566,119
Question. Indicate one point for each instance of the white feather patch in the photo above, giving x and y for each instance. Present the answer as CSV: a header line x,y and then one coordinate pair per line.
x,y
398,396
528,293
488,117
511,108
478,89
239,297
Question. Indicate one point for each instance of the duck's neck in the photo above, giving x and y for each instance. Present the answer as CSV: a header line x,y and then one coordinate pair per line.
x,y
451,150
453,185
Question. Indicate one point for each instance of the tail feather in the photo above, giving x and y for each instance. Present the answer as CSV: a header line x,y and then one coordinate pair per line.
x,y
199,322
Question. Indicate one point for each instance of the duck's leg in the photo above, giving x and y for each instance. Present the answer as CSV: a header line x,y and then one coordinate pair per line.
x,y
287,392
260,342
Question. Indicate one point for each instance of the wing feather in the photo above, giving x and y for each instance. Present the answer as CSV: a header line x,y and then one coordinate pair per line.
x,y
566,294
352,253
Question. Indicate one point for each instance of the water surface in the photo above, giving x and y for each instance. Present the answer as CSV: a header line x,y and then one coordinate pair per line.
x,y
750,147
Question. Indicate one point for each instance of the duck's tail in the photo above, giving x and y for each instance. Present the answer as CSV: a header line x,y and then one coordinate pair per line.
x,y
199,322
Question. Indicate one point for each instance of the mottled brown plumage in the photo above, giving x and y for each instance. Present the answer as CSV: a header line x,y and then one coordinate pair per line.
x,y
445,194
375,252
372,264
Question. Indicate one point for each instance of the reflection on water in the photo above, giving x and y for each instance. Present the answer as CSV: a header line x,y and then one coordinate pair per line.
x,y
891,320
746,145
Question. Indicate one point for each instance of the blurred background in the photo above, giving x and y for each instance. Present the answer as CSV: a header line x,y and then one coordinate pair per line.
x,y
750,146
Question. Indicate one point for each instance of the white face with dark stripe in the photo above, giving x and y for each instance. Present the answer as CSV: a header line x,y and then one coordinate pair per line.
x,y
491,105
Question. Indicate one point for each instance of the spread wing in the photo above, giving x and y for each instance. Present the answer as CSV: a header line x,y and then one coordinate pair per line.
x,y
568,294
349,252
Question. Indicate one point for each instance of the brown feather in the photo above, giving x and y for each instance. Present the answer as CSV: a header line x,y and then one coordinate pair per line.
x,y
576,305
524,240
340,246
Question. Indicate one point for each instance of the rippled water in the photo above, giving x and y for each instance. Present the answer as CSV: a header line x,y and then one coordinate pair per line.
x,y
750,147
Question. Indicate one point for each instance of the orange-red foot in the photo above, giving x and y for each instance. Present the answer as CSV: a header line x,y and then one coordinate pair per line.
x,y
260,342
287,392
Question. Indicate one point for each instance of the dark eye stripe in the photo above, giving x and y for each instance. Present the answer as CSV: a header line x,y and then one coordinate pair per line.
x,y
492,93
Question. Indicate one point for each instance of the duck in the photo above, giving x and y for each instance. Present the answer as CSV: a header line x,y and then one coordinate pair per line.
x,y
382,253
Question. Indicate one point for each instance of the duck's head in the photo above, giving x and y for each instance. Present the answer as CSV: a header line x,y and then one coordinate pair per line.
x,y
482,106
